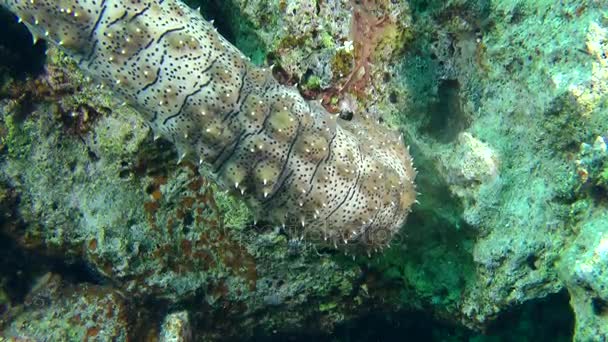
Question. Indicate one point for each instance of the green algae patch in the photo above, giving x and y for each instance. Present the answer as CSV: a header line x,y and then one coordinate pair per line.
x,y
58,310
327,40
312,83
17,138
603,178
236,213
327,306
342,63
291,42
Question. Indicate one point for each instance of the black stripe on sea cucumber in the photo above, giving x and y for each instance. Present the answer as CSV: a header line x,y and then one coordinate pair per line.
x,y
90,55
276,191
321,162
373,219
117,19
266,117
286,160
312,185
217,157
187,96
167,32
135,55
210,66
315,172
345,197
228,115
359,172
366,227
185,101
101,13
234,145
331,141
243,77
241,105
233,113
148,45
162,59
350,192
139,13
290,149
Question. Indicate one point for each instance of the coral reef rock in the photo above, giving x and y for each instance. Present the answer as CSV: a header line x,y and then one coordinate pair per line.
x,y
504,104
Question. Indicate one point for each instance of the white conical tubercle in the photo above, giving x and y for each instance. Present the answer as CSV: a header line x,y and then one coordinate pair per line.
x,y
295,164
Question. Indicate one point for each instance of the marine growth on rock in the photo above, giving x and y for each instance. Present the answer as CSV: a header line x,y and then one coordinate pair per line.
x,y
349,183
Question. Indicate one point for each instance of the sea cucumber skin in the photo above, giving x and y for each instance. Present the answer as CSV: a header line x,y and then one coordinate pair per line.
x,y
344,182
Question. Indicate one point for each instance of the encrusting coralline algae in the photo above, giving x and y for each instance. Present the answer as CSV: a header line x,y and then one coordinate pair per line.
x,y
345,182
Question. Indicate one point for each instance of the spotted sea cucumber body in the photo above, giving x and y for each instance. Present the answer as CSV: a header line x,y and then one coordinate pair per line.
x,y
295,164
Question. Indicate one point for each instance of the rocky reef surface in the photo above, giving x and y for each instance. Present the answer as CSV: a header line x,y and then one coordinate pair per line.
x,y
105,235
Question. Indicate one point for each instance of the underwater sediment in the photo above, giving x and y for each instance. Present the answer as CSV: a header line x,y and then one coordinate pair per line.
x,y
504,105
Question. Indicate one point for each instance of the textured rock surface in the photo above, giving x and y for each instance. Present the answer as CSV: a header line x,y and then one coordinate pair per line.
x,y
505,103
584,269
334,50
155,230
176,328
512,75
56,310
498,97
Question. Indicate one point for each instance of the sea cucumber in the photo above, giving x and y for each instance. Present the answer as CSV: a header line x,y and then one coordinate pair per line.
x,y
349,183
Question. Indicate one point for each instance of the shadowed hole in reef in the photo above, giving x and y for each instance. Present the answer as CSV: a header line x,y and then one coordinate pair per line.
x,y
547,319
431,257
233,26
20,268
447,118
19,57
600,306
544,319
214,10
